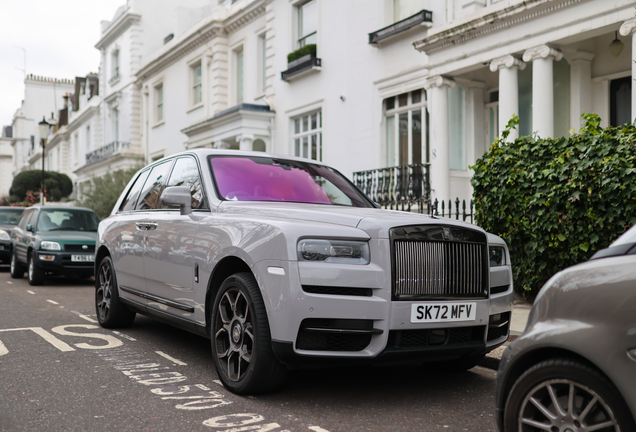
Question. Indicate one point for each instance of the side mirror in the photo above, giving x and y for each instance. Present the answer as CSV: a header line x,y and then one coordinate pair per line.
x,y
30,227
178,196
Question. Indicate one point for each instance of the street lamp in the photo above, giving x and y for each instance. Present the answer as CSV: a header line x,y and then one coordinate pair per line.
x,y
44,127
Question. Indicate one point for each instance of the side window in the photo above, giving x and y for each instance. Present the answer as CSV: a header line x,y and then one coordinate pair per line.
x,y
186,173
33,217
131,199
155,184
23,220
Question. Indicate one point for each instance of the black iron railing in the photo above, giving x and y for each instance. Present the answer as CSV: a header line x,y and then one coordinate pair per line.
x,y
404,187
445,209
105,152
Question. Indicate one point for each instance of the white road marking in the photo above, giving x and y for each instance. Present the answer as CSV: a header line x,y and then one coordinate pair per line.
x,y
10,283
317,429
62,346
172,359
217,382
87,318
130,338
3,349
30,292
53,302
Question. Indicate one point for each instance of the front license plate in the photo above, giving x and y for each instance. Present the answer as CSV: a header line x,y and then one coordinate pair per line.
x,y
443,312
82,258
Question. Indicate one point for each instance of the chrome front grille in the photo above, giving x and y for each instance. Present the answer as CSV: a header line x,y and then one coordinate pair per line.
x,y
437,265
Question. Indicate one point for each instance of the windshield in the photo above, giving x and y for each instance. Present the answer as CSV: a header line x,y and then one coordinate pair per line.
x,y
10,216
269,179
67,220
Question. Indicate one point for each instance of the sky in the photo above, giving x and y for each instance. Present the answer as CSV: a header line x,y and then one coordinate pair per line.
x,y
59,38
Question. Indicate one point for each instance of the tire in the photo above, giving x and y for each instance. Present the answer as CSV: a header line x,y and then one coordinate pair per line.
x,y
552,384
16,269
35,275
111,312
241,340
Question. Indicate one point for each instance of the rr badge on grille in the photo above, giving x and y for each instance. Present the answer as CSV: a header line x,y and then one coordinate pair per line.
x,y
84,247
447,233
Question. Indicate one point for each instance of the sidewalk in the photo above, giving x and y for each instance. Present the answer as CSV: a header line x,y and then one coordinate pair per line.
x,y
520,312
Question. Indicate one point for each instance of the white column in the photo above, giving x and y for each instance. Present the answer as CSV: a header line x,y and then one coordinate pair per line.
x,y
542,88
580,86
245,142
437,88
508,67
628,28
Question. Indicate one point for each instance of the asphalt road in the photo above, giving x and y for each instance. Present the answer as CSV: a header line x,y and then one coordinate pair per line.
x,y
60,371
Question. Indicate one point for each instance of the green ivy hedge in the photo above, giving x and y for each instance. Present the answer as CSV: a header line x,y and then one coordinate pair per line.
x,y
556,201
301,52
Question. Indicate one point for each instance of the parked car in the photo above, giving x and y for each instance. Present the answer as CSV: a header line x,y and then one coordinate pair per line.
x,y
574,367
52,240
283,262
9,217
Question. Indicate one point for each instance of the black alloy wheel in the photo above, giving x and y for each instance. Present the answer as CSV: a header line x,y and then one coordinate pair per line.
x,y
565,395
241,341
16,269
111,313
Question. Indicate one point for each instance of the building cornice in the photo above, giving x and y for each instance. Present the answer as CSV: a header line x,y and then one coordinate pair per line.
x,y
208,29
79,120
499,19
117,28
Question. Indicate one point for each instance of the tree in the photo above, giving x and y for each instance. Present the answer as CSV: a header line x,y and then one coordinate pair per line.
x,y
56,185
101,193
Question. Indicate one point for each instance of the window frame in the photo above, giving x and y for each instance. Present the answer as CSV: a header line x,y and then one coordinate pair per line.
x,y
204,198
298,151
192,65
114,66
238,54
300,40
407,109
492,107
158,103
262,63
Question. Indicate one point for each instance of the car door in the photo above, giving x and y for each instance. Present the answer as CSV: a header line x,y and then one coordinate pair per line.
x,y
127,247
168,260
22,236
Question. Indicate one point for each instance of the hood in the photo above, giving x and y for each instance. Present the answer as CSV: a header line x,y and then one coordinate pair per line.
x,y
375,222
88,237
7,228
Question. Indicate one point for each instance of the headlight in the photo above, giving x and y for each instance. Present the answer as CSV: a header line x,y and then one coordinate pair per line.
x,y
497,255
48,245
334,251
4,235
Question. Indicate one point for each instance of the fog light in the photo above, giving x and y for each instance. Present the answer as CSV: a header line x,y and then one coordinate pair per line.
x,y
495,318
47,257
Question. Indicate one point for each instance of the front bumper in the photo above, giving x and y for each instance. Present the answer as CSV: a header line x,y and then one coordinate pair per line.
x,y
62,263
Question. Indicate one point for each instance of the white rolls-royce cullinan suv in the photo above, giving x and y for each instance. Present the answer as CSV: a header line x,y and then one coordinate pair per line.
x,y
282,261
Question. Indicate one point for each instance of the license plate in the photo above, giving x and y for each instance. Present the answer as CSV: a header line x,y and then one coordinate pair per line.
x,y
83,258
443,312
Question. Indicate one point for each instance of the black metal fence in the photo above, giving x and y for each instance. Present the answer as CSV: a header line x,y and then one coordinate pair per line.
x,y
407,188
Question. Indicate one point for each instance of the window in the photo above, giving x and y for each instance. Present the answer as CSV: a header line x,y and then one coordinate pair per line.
x,y
149,197
115,120
492,116
239,76
115,66
403,9
262,63
307,136
308,23
406,128
197,87
159,103
457,127
88,138
76,152
186,173
128,204
621,101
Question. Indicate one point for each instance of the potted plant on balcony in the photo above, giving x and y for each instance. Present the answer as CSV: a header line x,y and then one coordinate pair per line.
x,y
301,60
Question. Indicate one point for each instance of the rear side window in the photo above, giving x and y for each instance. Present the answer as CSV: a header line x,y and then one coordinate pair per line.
x,y
155,184
186,173
25,217
131,199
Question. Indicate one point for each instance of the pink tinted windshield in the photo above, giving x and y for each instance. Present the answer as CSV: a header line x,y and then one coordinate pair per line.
x,y
267,179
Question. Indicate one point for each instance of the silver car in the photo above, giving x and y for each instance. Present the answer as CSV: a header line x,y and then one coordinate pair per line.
x,y
574,367
283,262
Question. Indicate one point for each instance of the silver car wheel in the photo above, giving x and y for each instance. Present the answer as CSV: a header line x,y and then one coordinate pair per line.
x,y
563,405
233,334
12,267
104,290
31,268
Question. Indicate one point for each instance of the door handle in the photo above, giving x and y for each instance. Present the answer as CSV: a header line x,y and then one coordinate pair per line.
x,y
151,225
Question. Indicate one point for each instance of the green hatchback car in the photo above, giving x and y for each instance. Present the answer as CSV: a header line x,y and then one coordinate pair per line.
x,y
54,240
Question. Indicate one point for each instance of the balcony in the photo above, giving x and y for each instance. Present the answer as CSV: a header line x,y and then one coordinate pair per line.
x,y
405,187
301,67
423,17
114,78
105,152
